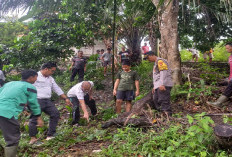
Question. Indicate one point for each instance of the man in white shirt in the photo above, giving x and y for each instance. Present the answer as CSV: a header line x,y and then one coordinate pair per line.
x,y
45,84
81,94
195,54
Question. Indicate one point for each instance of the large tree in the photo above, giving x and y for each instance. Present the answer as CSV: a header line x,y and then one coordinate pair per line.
x,y
168,27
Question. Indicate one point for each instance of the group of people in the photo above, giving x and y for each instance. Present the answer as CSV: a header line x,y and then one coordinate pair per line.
x,y
196,54
34,92
35,89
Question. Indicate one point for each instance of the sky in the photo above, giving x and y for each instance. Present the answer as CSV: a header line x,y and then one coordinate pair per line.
x,y
17,13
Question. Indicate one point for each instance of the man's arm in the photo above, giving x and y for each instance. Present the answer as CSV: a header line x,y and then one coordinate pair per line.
x,y
34,105
66,99
137,87
59,92
116,86
83,107
163,68
71,66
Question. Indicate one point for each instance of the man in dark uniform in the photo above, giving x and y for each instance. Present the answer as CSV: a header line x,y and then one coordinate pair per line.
x,y
78,67
162,81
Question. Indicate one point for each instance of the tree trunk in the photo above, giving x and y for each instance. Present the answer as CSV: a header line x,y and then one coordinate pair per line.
x,y
143,118
167,19
153,26
133,42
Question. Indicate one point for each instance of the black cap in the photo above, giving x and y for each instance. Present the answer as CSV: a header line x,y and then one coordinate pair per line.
x,y
149,53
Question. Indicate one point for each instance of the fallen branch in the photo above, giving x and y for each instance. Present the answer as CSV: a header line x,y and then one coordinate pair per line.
x,y
144,119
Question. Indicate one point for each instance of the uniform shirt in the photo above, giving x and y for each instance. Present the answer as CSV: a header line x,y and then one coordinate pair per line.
x,y
2,77
76,91
127,80
230,63
162,74
79,63
14,95
107,56
145,49
45,86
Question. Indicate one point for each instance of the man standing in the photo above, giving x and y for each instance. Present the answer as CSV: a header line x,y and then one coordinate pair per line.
x,y
145,48
106,58
45,84
124,55
13,97
81,95
228,91
195,54
78,66
162,81
210,54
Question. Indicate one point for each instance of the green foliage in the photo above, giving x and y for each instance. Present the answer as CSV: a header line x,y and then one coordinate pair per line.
x,y
220,54
211,74
95,74
193,140
144,71
193,92
93,57
9,32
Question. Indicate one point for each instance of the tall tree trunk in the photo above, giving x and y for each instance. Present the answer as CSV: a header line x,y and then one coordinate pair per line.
x,y
133,42
168,26
153,27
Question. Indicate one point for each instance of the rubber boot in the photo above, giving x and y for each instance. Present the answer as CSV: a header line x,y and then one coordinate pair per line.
x,y
222,99
11,151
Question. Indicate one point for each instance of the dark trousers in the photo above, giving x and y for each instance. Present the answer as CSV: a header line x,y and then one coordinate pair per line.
x,y
49,108
1,82
80,73
10,130
76,107
162,100
228,90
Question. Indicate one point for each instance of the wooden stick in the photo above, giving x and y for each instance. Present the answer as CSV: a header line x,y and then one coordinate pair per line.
x,y
219,114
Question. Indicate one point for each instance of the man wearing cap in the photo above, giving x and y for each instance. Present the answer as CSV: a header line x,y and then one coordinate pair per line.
x,y
162,81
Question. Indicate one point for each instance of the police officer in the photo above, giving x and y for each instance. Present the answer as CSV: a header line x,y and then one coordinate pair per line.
x,y
162,81
78,67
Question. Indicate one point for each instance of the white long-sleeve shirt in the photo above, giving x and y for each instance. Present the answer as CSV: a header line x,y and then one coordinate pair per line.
x,y
45,86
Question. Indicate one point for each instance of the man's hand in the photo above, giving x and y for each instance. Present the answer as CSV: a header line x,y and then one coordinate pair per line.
x,y
153,91
90,97
86,116
162,88
114,92
68,102
137,93
40,122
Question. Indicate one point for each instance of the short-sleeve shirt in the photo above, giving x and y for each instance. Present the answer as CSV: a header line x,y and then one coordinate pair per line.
x,y
79,63
145,49
194,51
127,80
124,55
107,56
76,91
